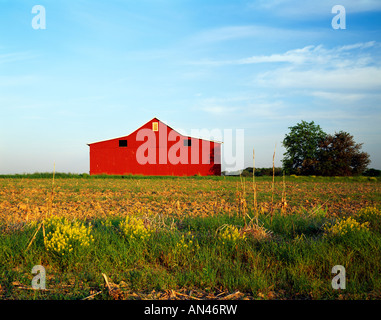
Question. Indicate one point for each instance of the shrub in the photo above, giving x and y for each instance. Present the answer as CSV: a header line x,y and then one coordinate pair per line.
x,y
229,234
63,236
135,228
346,228
372,215
372,173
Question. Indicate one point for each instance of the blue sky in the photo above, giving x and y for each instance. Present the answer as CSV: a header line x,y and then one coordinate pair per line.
x,y
101,69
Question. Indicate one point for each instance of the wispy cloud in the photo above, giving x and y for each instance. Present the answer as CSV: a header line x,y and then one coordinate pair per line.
x,y
349,67
239,32
347,98
303,10
22,80
220,106
225,33
296,56
360,45
339,56
318,55
337,81
366,78
15,57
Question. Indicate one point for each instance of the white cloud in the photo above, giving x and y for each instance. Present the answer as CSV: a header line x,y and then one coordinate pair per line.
x,y
341,81
366,78
296,56
348,67
230,33
341,97
316,55
360,45
15,57
219,106
338,57
305,10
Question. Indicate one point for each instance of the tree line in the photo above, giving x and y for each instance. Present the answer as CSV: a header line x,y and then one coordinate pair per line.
x,y
311,151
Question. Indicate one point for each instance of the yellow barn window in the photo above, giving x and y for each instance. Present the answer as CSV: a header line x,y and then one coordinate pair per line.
x,y
155,126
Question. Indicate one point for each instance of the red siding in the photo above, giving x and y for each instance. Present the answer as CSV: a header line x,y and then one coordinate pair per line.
x,y
106,157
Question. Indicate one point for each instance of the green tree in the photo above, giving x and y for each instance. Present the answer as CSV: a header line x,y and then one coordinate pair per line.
x,y
340,155
302,148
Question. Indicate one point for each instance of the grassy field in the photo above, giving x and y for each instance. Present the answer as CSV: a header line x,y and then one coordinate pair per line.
x,y
189,238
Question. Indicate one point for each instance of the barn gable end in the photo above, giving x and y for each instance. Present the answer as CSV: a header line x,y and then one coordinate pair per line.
x,y
155,149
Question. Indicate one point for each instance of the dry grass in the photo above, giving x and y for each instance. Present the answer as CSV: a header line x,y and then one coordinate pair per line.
x,y
257,232
30,201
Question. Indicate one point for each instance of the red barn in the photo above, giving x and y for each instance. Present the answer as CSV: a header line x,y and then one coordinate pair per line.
x,y
156,149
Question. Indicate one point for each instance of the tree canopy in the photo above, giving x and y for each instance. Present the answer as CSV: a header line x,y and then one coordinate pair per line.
x,y
302,148
311,151
340,155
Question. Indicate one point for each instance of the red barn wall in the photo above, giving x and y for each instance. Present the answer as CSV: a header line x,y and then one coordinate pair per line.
x,y
106,157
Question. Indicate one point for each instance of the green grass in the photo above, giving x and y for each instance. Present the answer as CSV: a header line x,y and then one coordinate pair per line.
x,y
295,262
293,178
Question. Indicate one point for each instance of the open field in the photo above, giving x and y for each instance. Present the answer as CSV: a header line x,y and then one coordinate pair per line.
x,y
190,238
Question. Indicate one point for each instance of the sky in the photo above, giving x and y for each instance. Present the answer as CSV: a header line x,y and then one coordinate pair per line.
x,y
101,69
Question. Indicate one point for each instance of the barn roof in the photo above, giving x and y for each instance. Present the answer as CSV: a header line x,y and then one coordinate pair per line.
x,y
220,142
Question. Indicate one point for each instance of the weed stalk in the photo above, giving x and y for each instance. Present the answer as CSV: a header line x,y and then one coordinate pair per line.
x,y
255,190
273,185
50,204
